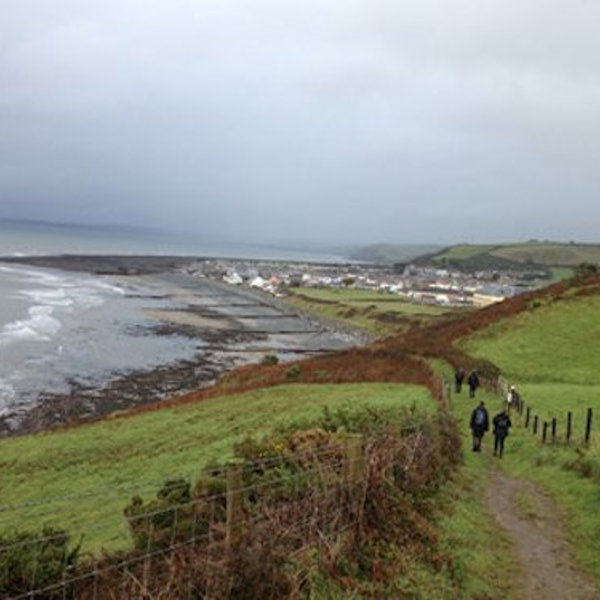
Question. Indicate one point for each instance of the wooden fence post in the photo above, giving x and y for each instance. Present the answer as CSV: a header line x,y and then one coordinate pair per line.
x,y
588,426
235,503
554,430
535,424
569,426
354,475
354,465
445,392
544,431
527,415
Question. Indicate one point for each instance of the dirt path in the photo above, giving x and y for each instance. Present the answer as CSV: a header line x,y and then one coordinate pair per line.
x,y
533,523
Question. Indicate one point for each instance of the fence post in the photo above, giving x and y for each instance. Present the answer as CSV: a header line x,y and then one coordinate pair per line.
x,y
588,426
354,465
535,424
235,502
445,392
354,474
569,426
554,430
544,431
527,415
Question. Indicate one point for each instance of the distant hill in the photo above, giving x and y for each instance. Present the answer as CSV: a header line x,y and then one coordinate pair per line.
x,y
392,253
517,256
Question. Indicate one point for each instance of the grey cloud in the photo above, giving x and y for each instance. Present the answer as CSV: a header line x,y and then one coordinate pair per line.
x,y
351,121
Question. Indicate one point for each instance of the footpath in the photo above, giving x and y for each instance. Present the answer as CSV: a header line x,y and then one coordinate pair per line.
x,y
534,525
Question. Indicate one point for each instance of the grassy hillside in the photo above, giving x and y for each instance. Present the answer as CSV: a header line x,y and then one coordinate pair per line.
x,y
557,258
545,342
82,478
391,253
463,252
550,353
550,254
554,342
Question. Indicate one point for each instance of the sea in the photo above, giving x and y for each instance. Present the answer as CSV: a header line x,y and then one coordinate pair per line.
x,y
64,329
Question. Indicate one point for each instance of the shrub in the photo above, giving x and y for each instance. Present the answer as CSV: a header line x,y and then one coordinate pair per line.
x,y
269,359
293,372
34,560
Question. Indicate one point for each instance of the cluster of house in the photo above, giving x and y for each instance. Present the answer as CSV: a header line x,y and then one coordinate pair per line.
x,y
421,285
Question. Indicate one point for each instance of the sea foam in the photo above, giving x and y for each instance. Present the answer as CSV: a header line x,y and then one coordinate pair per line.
x,y
40,325
49,296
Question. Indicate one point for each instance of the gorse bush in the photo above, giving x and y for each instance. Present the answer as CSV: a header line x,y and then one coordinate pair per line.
x,y
178,512
35,560
297,494
269,359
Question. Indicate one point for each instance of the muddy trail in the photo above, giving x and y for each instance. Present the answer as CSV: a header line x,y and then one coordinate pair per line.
x,y
534,525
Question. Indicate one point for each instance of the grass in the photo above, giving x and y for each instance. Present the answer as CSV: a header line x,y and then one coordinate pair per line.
x,y
104,464
483,569
368,310
554,343
560,273
577,497
551,254
381,300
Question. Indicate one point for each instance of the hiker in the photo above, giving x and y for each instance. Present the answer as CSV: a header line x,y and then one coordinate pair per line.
x,y
479,425
512,399
501,426
459,377
473,383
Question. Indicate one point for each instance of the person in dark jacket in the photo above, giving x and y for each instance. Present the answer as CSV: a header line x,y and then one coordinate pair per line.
x,y
473,382
459,377
501,426
479,425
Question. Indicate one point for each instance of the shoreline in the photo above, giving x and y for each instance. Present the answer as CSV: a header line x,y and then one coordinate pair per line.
x,y
147,264
233,325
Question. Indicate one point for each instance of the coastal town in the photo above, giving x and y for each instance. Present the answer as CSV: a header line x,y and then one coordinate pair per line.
x,y
410,282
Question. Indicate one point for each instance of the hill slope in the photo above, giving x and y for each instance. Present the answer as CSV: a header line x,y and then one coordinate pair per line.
x,y
97,468
519,256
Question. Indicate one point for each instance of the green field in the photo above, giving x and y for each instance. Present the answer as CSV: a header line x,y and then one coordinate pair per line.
x,y
560,273
559,257
83,477
542,253
550,354
368,310
551,343
381,300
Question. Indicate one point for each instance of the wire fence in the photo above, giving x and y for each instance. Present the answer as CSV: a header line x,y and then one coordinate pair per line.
x,y
238,522
569,428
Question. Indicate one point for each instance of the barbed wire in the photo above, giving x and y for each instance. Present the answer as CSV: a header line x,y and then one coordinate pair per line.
x,y
174,546
208,470
280,481
331,477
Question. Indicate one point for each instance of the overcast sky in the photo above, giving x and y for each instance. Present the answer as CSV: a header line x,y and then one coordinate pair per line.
x,y
321,120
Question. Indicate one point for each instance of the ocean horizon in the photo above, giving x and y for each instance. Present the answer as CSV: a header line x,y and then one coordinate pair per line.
x,y
32,238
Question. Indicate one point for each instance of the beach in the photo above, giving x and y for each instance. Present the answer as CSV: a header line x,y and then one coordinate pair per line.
x,y
152,331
